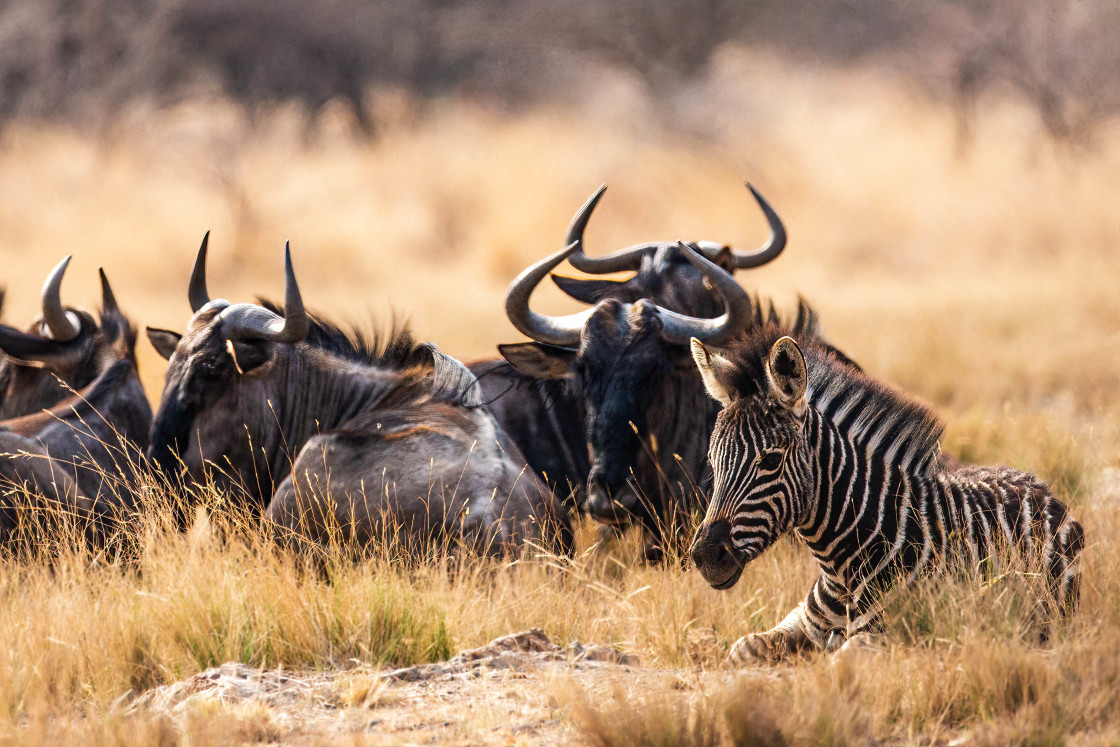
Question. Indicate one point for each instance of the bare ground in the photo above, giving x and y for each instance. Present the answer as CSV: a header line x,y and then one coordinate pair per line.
x,y
503,693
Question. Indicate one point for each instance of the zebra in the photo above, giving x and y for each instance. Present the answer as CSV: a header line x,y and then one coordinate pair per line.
x,y
854,468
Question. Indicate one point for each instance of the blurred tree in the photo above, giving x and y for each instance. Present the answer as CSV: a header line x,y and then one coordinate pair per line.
x,y
83,60
1061,56
665,42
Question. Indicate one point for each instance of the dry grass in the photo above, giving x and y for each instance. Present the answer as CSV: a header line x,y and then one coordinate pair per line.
x,y
985,286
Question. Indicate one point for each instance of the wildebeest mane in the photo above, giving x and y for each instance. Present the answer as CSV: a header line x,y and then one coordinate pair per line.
x,y
394,349
391,348
119,333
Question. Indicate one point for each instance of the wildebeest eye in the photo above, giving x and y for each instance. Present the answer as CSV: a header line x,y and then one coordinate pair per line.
x,y
209,368
770,461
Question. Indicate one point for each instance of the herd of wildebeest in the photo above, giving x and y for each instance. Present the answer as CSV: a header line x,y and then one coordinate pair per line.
x,y
674,395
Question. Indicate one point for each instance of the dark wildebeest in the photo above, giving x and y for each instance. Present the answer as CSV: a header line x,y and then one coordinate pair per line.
x,y
543,410
359,440
77,417
559,405
57,356
646,413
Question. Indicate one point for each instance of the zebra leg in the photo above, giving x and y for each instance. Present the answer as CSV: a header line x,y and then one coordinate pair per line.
x,y
1072,540
864,631
809,626
783,640
1063,581
864,641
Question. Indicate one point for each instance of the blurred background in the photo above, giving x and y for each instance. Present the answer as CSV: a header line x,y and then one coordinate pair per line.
x,y
948,172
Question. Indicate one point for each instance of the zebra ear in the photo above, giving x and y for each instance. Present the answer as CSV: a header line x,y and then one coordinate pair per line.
x,y
709,366
785,370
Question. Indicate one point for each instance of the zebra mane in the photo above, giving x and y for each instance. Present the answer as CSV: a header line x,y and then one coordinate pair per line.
x,y
871,413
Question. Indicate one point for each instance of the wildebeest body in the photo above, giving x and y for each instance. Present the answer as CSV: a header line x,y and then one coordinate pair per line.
x,y
94,435
488,504
330,436
545,417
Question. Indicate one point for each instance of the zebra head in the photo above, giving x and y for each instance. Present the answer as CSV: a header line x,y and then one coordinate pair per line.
x,y
760,459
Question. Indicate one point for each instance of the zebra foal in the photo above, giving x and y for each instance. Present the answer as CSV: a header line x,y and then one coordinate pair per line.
x,y
808,444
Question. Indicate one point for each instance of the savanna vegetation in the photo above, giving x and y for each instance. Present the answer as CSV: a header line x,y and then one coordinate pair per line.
x,y
970,261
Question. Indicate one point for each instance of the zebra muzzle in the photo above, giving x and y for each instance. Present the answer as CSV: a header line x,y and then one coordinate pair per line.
x,y
714,556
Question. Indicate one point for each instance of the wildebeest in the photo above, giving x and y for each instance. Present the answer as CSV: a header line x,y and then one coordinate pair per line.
x,y
334,437
55,357
646,414
805,443
542,408
75,406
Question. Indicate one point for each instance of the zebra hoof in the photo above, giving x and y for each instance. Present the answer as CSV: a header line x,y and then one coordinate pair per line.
x,y
862,644
834,640
757,649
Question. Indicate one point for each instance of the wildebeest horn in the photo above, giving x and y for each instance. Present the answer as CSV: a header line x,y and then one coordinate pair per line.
x,y
773,246
630,258
624,260
563,331
108,300
621,261
62,325
250,322
27,348
196,291
678,328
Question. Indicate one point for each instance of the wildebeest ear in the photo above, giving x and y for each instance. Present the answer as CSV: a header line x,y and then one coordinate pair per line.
x,y
593,290
785,370
711,366
451,378
163,340
249,356
725,260
539,360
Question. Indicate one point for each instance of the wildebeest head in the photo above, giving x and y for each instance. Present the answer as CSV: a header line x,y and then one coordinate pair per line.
x,y
622,354
222,362
662,272
62,351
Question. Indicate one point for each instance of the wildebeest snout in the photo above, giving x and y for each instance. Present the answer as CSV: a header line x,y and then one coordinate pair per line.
x,y
609,503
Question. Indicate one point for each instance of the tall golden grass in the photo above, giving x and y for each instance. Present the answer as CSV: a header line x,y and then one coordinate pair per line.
x,y
983,283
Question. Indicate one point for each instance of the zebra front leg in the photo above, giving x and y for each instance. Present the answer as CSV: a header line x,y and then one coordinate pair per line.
x,y
863,642
785,639
811,625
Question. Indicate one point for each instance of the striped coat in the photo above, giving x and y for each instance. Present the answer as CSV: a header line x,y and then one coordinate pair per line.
x,y
808,445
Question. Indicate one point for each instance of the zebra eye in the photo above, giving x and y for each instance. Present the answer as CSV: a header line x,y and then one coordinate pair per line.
x,y
771,461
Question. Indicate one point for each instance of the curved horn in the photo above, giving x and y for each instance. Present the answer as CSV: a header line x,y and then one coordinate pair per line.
x,y
196,291
25,347
63,327
773,246
623,260
108,300
563,331
678,328
251,322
